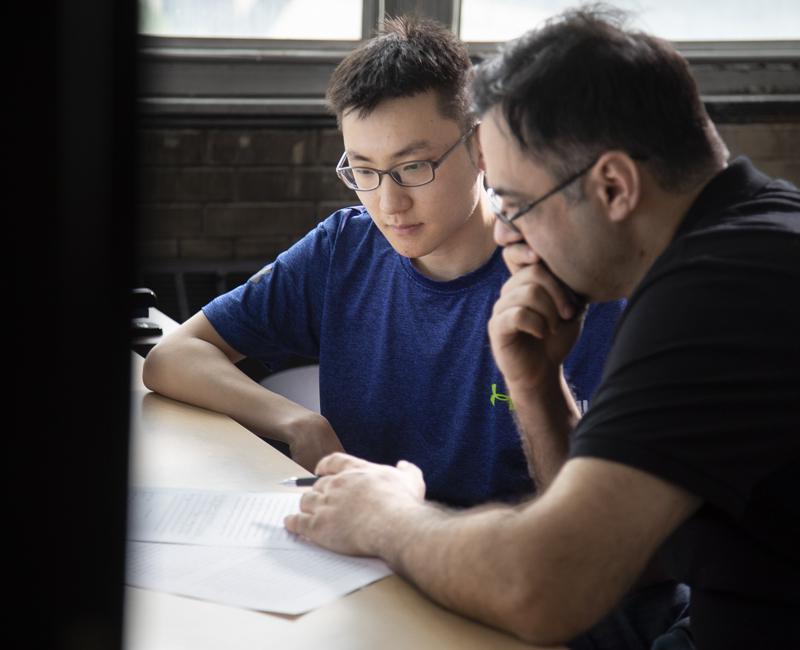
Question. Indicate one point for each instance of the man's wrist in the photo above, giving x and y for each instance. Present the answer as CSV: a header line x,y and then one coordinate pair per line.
x,y
545,389
283,420
552,400
399,527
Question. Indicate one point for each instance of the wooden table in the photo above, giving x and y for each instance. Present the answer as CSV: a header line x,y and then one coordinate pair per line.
x,y
177,445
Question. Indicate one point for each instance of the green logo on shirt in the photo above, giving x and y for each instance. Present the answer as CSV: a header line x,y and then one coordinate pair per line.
x,y
500,397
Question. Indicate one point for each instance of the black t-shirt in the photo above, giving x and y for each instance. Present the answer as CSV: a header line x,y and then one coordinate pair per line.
x,y
702,388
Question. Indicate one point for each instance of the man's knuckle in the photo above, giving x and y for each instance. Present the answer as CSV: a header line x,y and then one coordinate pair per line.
x,y
314,525
516,314
296,523
338,481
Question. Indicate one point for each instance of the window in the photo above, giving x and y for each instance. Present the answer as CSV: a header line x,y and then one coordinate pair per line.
x,y
225,61
273,19
677,20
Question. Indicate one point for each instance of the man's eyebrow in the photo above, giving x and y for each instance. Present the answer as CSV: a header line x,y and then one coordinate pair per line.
x,y
415,146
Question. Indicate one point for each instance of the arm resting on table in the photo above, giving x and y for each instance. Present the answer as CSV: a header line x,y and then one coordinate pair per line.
x,y
546,571
194,364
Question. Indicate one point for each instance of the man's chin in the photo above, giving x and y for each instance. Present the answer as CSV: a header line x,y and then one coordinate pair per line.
x,y
411,247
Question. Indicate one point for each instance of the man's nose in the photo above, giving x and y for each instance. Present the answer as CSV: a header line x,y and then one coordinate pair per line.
x,y
394,198
505,234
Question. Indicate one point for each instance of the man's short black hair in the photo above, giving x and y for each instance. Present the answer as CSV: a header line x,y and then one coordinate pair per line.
x,y
583,84
409,56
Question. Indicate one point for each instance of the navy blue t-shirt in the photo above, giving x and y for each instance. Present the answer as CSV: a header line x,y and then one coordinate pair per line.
x,y
406,370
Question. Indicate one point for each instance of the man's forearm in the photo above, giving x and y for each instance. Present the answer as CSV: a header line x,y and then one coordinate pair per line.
x,y
527,569
199,373
545,418
468,563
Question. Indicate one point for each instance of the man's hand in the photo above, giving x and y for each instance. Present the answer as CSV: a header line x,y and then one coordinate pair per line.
x,y
311,437
352,507
534,322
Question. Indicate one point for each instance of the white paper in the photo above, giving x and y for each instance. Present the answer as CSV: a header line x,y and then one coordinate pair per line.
x,y
213,518
282,581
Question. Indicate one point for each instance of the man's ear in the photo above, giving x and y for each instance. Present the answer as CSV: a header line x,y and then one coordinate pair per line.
x,y
618,184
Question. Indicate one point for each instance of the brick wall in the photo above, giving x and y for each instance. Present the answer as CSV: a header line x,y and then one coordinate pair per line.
x,y
216,204
211,194
773,148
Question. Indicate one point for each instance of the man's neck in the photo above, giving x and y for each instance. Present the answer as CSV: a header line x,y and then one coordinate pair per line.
x,y
662,213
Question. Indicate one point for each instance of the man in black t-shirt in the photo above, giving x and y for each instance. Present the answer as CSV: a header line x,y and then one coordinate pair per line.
x,y
609,180
703,389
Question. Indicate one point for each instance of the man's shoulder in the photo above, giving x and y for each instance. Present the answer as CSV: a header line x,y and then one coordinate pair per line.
x,y
742,199
351,221
344,234
351,238
743,218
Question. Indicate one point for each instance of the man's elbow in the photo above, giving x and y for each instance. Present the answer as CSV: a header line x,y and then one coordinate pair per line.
x,y
544,619
153,368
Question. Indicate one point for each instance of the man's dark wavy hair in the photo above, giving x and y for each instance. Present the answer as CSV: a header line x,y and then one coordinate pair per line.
x,y
583,84
409,56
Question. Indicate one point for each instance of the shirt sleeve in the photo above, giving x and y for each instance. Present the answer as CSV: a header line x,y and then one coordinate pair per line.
x,y
702,387
278,311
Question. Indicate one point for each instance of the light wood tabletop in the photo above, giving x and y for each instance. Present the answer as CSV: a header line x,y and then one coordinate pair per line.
x,y
177,445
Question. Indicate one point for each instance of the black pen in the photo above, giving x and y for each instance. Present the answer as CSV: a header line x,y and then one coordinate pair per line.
x,y
304,481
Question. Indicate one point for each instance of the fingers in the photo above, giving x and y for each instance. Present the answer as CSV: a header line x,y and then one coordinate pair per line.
x,y
409,468
527,307
325,515
519,255
301,523
536,288
414,478
339,462
298,523
510,322
310,500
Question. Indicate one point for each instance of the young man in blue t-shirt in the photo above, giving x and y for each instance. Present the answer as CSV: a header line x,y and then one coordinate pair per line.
x,y
392,296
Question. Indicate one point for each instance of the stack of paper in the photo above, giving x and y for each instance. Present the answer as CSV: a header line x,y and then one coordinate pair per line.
x,y
232,548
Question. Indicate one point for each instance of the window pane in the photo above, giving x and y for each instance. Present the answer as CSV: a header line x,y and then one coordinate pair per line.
x,y
284,19
677,20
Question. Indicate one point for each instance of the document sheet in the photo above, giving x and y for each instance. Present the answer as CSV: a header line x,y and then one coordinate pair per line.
x,y
231,548
214,518
269,580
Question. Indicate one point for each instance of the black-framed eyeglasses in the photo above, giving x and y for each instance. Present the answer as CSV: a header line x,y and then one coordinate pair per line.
x,y
412,173
496,202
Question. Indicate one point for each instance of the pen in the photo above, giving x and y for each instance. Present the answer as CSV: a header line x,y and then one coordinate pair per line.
x,y
304,481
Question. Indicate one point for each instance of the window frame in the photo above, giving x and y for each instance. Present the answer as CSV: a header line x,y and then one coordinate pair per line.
x,y
243,81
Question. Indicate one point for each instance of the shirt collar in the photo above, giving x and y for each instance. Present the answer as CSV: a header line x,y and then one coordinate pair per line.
x,y
737,182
